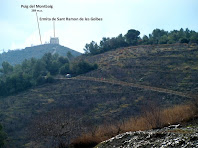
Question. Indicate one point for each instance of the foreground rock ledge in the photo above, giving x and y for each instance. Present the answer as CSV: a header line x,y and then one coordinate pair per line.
x,y
162,138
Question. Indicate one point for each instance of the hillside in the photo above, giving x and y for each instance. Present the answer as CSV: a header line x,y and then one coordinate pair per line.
x,y
17,56
173,67
126,81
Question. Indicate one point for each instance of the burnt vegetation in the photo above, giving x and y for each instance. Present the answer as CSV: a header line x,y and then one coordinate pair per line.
x,y
117,94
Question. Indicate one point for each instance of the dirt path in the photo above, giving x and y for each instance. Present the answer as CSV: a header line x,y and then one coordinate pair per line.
x,y
156,89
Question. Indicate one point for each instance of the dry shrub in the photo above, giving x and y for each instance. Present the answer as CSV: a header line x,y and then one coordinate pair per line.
x,y
152,113
178,114
158,118
194,103
86,141
151,118
135,124
95,136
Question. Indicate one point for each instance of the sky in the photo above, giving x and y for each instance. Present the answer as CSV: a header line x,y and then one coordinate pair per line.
x,y
19,27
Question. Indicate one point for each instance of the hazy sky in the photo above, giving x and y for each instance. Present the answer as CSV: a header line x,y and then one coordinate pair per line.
x,y
19,26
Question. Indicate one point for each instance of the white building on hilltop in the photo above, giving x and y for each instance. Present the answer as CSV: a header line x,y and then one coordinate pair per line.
x,y
54,40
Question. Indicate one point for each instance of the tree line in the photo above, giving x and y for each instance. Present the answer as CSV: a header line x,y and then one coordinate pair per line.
x,y
132,38
33,72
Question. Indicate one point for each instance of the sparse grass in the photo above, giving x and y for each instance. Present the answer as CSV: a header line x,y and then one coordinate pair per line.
x,y
149,120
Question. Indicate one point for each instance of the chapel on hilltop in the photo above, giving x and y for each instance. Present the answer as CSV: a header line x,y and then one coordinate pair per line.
x,y
54,40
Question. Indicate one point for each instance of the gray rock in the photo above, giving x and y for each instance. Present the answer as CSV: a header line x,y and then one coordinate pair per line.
x,y
160,138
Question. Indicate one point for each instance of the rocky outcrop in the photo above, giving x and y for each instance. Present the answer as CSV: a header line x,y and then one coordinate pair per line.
x,y
172,136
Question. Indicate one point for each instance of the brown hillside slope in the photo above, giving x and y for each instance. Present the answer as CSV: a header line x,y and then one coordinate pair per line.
x,y
127,78
122,83
91,101
172,67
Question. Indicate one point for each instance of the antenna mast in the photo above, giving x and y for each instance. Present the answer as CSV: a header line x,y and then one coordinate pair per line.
x,y
38,27
54,28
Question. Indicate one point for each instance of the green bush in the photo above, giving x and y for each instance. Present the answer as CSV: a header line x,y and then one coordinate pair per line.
x,y
82,67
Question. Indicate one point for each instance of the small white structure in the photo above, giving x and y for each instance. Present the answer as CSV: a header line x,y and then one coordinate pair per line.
x,y
68,75
54,40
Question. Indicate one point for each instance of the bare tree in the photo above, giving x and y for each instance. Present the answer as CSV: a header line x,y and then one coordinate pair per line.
x,y
56,127
152,113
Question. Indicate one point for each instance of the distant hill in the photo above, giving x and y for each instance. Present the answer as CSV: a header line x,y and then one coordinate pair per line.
x,y
17,56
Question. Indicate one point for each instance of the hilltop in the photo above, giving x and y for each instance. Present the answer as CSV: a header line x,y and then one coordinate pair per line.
x,y
18,56
125,81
